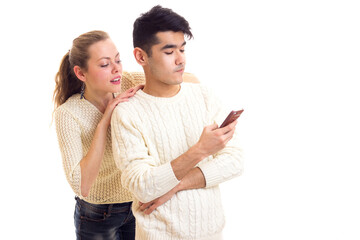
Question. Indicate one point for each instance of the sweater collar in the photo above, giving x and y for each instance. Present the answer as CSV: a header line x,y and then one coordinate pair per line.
x,y
163,100
84,102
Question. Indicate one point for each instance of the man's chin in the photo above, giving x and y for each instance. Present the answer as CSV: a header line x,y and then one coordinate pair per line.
x,y
178,81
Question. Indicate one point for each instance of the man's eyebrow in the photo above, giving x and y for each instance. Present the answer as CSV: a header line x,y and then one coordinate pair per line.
x,y
172,46
107,58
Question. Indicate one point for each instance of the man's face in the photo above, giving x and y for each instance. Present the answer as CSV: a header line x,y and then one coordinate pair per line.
x,y
167,62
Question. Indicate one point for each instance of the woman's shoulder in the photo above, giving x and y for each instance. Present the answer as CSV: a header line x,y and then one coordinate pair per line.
x,y
72,106
66,104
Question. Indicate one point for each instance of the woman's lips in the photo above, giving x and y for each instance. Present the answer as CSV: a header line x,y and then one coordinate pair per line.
x,y
116,80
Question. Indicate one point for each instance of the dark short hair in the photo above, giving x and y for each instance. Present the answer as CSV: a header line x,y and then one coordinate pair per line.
x,y
158,19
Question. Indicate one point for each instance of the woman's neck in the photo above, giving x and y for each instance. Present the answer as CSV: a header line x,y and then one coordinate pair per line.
x,y
99,101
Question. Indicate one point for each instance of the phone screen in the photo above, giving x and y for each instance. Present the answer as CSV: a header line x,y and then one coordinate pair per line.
x,y
233,115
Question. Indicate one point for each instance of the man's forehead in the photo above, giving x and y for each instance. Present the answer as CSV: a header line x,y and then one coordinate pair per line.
x,y
176,39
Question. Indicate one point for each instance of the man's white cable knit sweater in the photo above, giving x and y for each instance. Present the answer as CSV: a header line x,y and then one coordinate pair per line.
x,y
76,122
148,133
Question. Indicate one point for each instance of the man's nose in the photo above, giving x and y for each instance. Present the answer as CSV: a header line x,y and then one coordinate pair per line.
x,y
180,58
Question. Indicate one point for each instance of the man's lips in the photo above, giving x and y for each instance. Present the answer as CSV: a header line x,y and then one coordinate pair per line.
x,y
180,68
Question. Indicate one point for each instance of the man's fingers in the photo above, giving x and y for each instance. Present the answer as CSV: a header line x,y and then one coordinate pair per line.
x,y
145,206
212,127
229,135
150,209
228,128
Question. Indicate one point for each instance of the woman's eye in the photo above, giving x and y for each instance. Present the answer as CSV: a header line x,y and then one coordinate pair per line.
x,y
118,61
104,65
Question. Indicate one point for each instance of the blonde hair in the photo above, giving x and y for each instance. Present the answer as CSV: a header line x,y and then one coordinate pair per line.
x,y
66,82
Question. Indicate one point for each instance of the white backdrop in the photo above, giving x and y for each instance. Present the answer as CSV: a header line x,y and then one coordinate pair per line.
x,y
292,65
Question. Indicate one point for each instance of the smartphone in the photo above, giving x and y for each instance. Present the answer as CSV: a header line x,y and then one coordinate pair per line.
x,y
233,115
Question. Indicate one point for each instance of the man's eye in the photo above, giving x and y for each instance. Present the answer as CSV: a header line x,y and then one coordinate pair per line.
x,y
118,61
104,65
182,50
168,53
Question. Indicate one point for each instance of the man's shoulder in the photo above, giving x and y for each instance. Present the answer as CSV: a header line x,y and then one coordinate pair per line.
x,y
132,108
123,107
197,89
130,104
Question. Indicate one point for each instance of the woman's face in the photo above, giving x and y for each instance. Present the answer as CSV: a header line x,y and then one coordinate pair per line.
x,y
104,68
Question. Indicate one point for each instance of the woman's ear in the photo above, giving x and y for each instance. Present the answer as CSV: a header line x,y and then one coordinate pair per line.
x,y
80,74
140,56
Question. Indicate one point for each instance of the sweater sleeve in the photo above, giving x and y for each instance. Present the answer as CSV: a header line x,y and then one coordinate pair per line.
x,y
69,138
141,172
225,165
228,162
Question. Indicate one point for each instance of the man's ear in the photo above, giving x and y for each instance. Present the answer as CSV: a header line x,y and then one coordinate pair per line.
x,y
140,56
79,73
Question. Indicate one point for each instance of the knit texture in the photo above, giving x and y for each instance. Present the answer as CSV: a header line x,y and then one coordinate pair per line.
x,y
76,122
148,132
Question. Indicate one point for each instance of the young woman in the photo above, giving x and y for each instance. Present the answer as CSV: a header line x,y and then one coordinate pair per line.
x,y
89,76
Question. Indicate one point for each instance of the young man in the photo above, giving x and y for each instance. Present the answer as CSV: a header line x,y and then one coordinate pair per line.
x,y
166,139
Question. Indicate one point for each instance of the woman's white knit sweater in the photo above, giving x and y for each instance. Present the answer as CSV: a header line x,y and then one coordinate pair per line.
x,y
76,122
148,133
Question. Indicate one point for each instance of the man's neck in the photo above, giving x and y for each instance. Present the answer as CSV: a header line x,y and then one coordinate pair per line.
x,y
161,89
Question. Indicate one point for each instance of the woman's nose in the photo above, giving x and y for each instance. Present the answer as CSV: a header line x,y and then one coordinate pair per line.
x,y
117,67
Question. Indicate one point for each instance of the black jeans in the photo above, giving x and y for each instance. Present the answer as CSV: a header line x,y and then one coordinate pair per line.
x,y
104,221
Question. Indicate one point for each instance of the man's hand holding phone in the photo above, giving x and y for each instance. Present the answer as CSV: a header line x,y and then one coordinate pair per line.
x,y
213,138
